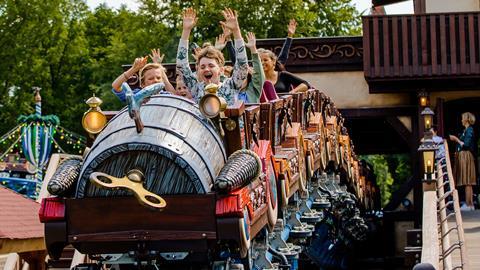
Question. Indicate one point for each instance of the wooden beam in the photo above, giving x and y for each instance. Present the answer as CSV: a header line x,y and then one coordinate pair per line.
x,y
378,112
21,245
35,259
401,130
430,244
399,195
385,2
419,6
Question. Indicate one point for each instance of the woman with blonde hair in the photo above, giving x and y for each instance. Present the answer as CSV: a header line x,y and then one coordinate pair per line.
x,y
464,169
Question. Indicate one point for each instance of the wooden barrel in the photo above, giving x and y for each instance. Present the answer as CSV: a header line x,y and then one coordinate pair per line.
x,y
178,151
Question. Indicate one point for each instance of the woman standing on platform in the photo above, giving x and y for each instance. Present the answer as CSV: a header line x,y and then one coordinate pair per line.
x,y
464,169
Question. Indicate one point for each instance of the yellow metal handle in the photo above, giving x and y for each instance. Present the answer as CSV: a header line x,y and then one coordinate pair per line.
x,y
132,181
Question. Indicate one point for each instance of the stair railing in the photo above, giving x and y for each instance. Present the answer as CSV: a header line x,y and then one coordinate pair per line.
x,y
441,206
448,209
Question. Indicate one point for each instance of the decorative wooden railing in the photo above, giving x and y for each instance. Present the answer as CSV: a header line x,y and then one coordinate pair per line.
x,y
441,205
309,54
442,47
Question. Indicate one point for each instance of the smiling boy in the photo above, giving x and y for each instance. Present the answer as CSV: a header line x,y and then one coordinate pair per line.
x,y
210,61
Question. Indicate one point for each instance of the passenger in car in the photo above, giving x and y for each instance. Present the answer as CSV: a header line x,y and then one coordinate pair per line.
x,y
210,61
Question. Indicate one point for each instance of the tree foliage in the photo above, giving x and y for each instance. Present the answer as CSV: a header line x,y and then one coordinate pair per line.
x,y
71,51
391,172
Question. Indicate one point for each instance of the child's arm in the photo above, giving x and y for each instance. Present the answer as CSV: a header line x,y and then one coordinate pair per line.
x,y
157,58
137,65
183,66
240,69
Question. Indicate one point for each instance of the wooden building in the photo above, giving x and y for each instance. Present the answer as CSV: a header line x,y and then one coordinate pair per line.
x,y
21,233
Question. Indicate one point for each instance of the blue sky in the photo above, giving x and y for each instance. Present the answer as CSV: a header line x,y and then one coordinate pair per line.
x,y
362,5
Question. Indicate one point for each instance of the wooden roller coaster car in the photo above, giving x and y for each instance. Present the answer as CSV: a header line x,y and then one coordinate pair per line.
x,y
176,160
195,219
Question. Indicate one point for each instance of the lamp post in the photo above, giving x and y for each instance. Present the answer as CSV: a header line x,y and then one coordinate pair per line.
x,y
428,146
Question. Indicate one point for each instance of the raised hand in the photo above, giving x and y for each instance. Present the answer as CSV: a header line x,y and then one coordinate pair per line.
x,y
189,18
156,56
292,26
227,33
220,42
139,63
231,21
251,42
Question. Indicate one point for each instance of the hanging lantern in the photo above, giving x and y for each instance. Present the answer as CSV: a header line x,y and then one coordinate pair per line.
x,y
423,99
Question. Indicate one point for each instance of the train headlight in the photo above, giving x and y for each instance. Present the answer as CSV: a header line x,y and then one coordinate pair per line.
x,y
211,104
93,120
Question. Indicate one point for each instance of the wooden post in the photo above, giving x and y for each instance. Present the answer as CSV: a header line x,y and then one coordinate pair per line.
x,y
419,6
35,259
439,110
417,133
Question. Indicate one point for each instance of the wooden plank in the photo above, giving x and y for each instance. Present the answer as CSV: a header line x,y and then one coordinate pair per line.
x,y
386,47
430,243
424,48
471,39
110,214
407,66
376,47
415,69
433,44
463,49
385,2
443,45
366,46
138,235
395,40
478,48
453,45
419,6
378,112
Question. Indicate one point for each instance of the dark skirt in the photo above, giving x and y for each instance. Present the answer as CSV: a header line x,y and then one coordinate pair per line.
x,y
464,169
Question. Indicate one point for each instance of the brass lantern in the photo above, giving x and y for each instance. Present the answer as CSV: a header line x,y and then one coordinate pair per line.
x,y
423,99
427,115
212,105
94,120
427,148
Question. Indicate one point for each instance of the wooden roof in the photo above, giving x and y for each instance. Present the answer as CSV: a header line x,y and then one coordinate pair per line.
x,y
20,228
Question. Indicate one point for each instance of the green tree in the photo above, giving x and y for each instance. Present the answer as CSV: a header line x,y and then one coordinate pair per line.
x,y
267,18
43,45
391,171
384,177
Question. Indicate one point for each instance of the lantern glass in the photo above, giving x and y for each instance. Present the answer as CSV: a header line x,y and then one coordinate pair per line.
x,y
428,161
423,101
428,121
94,121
